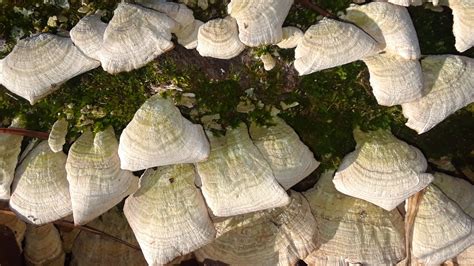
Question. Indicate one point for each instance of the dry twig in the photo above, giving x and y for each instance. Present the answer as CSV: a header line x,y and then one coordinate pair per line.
x,y
413,203
308,4
85,228
24,132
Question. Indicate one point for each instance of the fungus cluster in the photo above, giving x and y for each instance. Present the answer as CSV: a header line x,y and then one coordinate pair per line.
x,y
227,198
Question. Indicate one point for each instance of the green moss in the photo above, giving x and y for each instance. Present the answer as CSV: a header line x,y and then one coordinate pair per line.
x,y
218,9
334,6
303,17
338,100
435,31
431,24
95,99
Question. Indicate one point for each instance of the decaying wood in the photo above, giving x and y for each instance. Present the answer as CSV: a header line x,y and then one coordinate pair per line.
x,y
85,228
25,132
412,208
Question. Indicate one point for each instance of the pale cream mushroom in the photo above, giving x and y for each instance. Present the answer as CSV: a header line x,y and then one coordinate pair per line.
x,y
40,191
324,260
441,229
290,159
353,230
406,2
134,37
268,61
92,249
331,43
168,214
178,12
218,38
291,37
39,64
458,190
187,31
382,170
96,182
448,87
462,193
159,135
394,80
88,35
188,37
17,226
43,246
236,178
57,136
278,236
10,147
389,24
466,258
463,23
260,21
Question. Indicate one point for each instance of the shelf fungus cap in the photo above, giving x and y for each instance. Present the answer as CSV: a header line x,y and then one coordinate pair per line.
x,y
466,257
159,135
188,36
388,24
178,12
39,64
448,87
290,159
463,23
441,229
57,136
279,236
458,190
331,43
260,21
353,230
91,249
291,37
88,35
405,2
394,80
10,147
168,214
43,246
218,38
96,181
236,178
268,61
382,170
134,37
40,191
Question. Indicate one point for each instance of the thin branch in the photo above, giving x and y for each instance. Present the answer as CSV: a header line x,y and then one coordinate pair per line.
x,y
314,7
92,230
85,228
24,132
413,203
